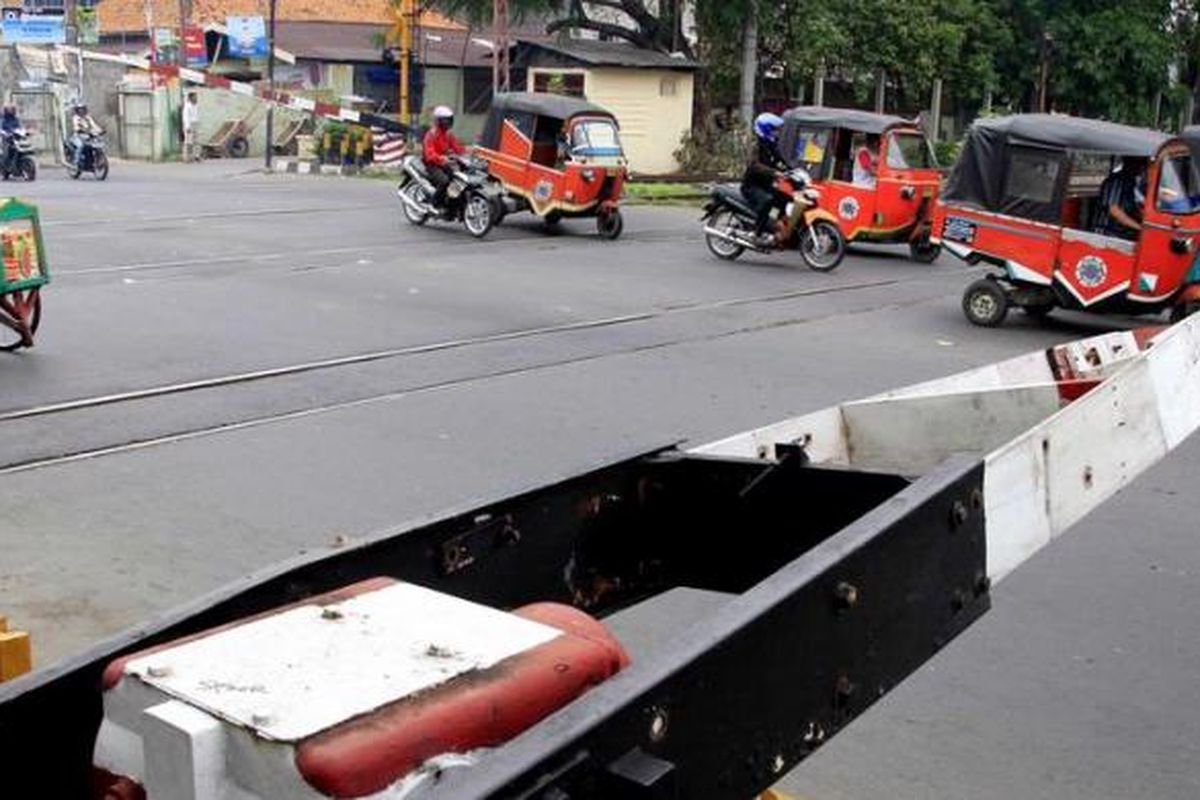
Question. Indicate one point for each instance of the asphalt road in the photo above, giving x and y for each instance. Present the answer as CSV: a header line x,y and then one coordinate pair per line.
x,y
234,367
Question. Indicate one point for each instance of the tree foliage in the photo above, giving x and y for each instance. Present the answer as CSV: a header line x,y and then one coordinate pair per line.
x,y
1102,58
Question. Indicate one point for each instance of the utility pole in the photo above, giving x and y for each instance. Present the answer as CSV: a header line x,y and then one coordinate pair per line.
x,y
271,85
406,23
501,66
185,18
1044,76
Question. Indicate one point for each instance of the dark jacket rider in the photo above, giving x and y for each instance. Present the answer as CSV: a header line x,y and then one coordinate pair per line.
x,y
758,182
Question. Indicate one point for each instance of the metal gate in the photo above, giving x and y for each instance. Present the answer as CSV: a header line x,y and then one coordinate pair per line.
x,y
38,110
139,123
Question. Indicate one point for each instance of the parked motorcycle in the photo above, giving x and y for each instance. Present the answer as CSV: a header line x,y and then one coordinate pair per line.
x,y
95,159
16,156
473,196
730,222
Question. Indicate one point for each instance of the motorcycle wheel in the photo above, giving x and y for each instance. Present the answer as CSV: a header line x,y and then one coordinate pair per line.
x,y
822,246
478,215
414,192
100,166
28,169
724,249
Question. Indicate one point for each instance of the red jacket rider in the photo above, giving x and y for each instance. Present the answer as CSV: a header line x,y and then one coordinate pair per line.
x,y
439,145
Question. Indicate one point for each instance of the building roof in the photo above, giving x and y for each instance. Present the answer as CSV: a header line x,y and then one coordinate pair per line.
x,y
594,53
360,43
128,16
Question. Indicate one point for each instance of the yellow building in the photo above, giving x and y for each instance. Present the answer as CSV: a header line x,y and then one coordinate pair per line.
x,y
649,92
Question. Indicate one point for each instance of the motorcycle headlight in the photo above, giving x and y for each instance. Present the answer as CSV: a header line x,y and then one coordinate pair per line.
x,y
812,194
589,175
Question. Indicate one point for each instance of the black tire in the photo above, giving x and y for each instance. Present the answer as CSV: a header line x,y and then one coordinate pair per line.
x,y
239,147
478,214
924,251
29,169
100,166
985,303
824,254
416,193
1038,312
1182,311
552,219
723,249
610,224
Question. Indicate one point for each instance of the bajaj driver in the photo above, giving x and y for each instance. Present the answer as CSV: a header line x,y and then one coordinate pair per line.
x,y
440,145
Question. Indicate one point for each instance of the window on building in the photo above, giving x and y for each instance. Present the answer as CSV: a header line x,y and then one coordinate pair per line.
x,y
568,83
668,87
477,90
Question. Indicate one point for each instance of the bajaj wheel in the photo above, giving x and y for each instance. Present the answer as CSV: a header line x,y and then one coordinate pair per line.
x,y
985,303
822,246
1181,311
724,220
100,166
610,224
414,193
924,251
478,215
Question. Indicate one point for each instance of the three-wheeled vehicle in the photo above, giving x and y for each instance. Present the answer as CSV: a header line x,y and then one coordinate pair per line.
x,y
558,157
23,273
1026,196
877,173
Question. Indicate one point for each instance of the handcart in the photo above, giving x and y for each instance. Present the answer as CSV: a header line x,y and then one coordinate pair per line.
x,y
23,273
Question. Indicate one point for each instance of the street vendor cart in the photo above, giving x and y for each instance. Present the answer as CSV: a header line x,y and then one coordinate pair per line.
x,y
22,274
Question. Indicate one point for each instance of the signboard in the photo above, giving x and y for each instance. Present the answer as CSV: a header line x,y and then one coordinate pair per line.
x,y
195,49
33,28
88,23
247,37
164,45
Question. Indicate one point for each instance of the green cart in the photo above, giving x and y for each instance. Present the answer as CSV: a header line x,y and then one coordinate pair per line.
x,y
23,273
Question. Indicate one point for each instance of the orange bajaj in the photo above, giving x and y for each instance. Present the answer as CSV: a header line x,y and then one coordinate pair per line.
x,y
876,173
1073,213
557,157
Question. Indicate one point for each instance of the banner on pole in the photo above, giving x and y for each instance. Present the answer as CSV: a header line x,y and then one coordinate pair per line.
x,y
247,37
195,46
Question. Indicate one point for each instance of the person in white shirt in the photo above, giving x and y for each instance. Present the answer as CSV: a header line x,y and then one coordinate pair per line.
x,y
83,125
191,124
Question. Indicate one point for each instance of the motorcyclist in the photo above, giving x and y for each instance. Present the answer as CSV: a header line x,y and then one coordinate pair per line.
x,y
440,145
9,124
758,182
83,125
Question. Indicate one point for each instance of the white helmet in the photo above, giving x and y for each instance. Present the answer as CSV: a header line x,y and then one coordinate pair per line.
x,y
444,114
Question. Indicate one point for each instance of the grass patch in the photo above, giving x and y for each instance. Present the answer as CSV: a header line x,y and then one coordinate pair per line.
x,y
644,193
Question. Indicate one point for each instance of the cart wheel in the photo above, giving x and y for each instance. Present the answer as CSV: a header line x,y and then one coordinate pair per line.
x,y
239,147
610,224
19,310
1038,312
100,166
985,303
924,251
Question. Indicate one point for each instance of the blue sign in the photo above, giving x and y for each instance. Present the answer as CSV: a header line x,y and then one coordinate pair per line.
x,y
34,29
247,37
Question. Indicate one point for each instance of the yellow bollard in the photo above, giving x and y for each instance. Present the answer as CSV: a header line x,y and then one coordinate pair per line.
x,y
16,655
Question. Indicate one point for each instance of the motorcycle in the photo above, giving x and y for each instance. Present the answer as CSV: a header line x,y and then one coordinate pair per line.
x,y
16,156
95,159
473,196
731,221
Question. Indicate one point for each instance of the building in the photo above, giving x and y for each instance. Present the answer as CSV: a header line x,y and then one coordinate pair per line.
x,y
651,93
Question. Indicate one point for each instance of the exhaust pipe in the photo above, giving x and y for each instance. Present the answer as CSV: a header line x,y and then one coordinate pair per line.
x,y
731,238
420,208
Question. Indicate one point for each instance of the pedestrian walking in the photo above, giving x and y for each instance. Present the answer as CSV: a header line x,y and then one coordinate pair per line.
x,y
191,124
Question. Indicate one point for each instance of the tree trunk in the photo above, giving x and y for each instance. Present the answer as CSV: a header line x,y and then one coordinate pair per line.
x,y
749,61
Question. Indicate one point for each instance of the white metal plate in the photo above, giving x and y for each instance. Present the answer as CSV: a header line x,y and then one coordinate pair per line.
x,y
297,673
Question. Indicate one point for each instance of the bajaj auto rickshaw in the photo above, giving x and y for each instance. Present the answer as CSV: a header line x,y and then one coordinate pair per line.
x,y
557,157
1026,196
876,173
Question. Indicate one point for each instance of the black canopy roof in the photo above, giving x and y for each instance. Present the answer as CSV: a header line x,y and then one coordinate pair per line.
x,y
1046,142
850,118
548,105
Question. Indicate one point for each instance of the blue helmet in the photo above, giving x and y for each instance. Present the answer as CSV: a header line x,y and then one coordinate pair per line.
x,y
766,126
